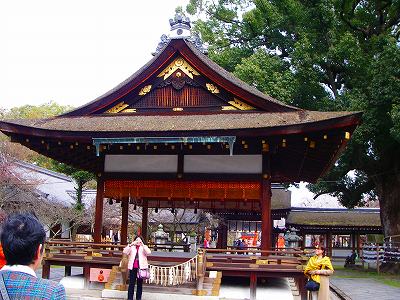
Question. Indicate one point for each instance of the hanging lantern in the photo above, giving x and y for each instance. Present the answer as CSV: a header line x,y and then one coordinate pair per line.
x,y
156,210
110,201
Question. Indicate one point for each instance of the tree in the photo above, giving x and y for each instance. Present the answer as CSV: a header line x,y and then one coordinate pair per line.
x,y
18,193
46,110
80,177
333,55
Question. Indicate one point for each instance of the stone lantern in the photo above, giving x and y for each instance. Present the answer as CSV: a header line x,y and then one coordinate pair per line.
x,y
292,240
160,236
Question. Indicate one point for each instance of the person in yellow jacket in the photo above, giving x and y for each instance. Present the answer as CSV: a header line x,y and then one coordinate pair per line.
x,y
319,268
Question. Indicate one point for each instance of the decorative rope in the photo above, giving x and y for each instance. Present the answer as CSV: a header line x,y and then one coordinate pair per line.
x,y
173,275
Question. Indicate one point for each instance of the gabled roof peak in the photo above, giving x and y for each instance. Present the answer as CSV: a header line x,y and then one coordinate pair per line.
x,y
180,29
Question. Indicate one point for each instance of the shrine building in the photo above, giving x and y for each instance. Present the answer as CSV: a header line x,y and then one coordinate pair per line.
x,y
182,132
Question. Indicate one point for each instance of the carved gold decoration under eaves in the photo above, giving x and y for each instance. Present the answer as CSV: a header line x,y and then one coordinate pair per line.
x,y
180,64
145,90
228,107
212,88
240,105
129,110
117,108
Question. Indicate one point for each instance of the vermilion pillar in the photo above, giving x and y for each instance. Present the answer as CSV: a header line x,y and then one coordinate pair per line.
x,y
266,223
124,223
98,221
222,236
265,203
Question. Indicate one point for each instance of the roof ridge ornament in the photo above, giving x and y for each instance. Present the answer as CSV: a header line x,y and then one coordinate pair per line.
x,y
181,29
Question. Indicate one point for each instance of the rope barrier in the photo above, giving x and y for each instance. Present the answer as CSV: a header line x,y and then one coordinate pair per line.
x,y
173,275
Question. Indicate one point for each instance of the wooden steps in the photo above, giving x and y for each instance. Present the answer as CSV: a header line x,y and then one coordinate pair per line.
x,y
210,287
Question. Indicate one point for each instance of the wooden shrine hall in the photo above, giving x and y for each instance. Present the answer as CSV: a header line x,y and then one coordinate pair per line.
x,y
182,132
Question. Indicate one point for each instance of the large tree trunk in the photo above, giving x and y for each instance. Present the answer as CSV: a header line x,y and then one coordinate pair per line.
x,y
388,189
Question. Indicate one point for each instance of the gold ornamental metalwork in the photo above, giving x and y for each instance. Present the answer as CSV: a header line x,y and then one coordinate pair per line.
x,y
240,105
117,108
212,88
145,90
228,107
254,266
129,110
180,64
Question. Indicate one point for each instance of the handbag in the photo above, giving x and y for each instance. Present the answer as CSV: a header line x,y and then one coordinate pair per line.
x,y
312,285
143,274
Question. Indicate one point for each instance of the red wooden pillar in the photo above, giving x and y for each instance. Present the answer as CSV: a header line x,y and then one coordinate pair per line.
x,y
266,224
124,223
145,220
265,203
253,286
98,221
329,243
222,241
353,235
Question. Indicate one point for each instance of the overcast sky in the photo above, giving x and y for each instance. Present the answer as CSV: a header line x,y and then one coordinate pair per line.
x,y
73,51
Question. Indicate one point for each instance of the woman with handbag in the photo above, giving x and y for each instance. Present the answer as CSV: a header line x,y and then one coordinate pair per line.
x,y
137,265
318,270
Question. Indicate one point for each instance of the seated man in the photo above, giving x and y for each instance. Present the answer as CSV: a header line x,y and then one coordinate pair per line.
x,y
23,238
351,259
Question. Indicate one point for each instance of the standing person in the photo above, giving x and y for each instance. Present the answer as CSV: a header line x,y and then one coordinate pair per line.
x,y
281,242
319,268
115,238
23,239
137,252
2,257
206,243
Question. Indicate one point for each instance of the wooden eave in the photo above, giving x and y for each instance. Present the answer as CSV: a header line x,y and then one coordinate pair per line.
x,y
81,128
334,219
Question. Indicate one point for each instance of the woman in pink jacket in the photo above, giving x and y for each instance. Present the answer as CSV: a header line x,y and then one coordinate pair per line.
x,y
137,252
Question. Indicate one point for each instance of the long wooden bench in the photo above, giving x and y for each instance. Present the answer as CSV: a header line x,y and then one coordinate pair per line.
x,y
265,264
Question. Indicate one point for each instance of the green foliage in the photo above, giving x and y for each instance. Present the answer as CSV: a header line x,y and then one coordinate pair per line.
x,y
323,55
45,110
80,177
269,74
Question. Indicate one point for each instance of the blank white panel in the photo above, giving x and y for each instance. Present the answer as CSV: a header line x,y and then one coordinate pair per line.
x,y
141,163
226,164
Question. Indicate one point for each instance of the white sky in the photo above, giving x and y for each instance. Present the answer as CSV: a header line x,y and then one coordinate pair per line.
x,y
73,51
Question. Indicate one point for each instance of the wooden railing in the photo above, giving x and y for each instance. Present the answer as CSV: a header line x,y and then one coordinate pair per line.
x,y
253,263
170,247
201,271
